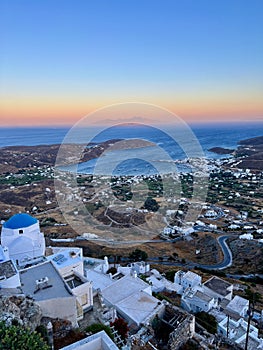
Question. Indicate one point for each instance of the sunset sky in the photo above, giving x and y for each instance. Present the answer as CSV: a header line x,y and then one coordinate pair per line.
x,y
61,59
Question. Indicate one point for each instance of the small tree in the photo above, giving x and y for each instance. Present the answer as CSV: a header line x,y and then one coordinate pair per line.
x,y
138,255
170,275
97,327
16,337
207,321
151,204
121,327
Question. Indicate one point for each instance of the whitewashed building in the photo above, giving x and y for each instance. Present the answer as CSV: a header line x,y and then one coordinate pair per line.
x,y
239,306
187,279
97,341
69,263
195,300
45,285
21,234
9,275
133,300
218,288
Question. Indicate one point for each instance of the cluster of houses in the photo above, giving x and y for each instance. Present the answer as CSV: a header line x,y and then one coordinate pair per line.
x,y
64,284
215,296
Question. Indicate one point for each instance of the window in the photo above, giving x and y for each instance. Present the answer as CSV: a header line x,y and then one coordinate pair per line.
x,y
21,231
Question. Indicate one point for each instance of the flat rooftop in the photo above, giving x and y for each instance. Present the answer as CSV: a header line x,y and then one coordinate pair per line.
x,y
97,341
123,288
7,269
218,285
65,257
138,306
203,296
99,280
238,303
56,287
191,276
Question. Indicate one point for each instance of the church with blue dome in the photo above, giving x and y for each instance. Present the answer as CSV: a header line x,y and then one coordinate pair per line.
x,y
21,235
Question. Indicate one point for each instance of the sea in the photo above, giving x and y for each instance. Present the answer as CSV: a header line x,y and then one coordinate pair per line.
x,y
170,144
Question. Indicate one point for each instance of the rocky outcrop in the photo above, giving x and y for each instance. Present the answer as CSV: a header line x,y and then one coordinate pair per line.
x,y
20,310
221,150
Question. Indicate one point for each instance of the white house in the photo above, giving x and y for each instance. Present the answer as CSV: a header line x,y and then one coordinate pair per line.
x,y
248,236
9,276
237,330
238,305
21,234
44,284
97,341
141,267
82,289
187,279
132,298
67,260
160,283
195,300
211,213
69,263
218,288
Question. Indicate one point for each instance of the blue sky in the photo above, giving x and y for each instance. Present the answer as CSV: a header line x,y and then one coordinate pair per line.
x,y
60,59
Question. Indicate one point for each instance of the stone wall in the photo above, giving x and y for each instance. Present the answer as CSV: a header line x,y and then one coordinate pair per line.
x,y
21,310
182,333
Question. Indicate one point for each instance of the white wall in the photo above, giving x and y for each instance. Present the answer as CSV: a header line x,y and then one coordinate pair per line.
x,y
64,308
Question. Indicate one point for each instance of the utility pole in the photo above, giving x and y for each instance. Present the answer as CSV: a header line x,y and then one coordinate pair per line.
x,y
250,314
227,327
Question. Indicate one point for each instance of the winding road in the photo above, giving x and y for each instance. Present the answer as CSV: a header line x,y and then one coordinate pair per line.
x,y
227,260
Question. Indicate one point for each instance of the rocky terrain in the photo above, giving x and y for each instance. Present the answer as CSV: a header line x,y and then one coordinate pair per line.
x,y
15,158
21,310
250,153
221,150
26,184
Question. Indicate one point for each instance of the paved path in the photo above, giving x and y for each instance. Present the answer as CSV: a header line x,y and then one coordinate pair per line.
x,y
227,261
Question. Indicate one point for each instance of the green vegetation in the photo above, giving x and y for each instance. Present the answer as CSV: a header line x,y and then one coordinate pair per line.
x,y
97,327
170,275
207,321
138,255
187,183
151,204
48,221
23,177
16,337
161,296
253,297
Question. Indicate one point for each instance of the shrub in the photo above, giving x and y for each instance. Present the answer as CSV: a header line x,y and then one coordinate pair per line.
x,y
16,337
207,321
138,255
97,327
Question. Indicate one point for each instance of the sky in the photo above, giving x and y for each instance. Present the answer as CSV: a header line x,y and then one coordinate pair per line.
x,y
62,59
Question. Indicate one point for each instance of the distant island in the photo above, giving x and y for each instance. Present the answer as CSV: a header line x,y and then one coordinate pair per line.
x,y
221,150
249,153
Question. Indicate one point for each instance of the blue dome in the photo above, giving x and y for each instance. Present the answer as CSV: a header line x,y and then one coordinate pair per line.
x,y
20,221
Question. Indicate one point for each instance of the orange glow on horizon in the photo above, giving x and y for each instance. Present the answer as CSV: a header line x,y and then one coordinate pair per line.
x,y
62,111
